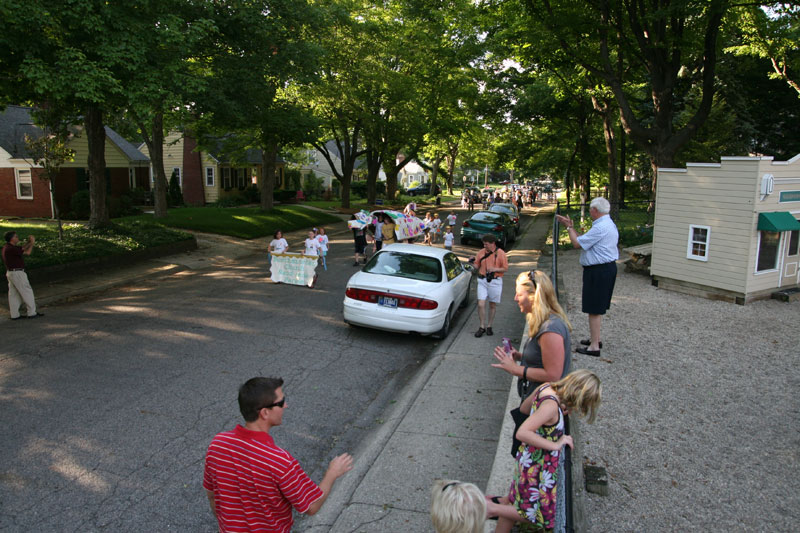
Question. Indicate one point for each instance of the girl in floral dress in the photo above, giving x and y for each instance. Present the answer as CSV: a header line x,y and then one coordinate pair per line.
x,y
532,496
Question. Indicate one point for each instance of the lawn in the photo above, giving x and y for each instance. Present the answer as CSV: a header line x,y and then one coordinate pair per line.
x,y
80,243
243,222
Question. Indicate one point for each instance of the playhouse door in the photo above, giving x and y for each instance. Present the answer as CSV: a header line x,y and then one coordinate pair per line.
x,y
791,260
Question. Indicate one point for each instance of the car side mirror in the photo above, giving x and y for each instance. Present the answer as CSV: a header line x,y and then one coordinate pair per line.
x,y
471,269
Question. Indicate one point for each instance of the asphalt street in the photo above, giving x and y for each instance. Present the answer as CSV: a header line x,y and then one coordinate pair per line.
x,y
108,403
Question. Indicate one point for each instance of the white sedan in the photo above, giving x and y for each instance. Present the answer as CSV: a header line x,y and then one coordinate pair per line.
x,y
408,288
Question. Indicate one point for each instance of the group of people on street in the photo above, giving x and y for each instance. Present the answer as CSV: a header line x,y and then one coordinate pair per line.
x,y
315,244
253,483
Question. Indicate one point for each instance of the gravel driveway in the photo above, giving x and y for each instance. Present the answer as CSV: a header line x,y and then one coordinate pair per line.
x,y
699,425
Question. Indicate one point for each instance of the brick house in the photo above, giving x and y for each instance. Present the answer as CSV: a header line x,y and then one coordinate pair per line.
x,y
24,194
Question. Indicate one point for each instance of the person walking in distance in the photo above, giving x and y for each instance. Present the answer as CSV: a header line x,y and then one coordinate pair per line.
x,y
251,483
599,254
19,288
492,263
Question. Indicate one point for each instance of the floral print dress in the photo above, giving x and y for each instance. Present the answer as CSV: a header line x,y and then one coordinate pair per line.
x,y
533,491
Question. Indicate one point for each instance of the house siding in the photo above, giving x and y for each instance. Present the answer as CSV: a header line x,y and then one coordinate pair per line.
x,y
787,178
114,157
38,206
720,197
193,189
211,193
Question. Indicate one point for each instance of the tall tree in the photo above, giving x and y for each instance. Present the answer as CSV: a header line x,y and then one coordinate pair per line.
x,y
668,45
263,50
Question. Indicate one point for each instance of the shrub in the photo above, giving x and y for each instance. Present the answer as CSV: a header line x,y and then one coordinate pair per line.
x,y
358,188
231,200
174,193
284,196
252,194
138,196
293,178
121,206
414,184
80,206
312,188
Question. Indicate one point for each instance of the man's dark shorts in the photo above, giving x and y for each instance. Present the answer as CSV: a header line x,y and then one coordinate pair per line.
x,y
598,286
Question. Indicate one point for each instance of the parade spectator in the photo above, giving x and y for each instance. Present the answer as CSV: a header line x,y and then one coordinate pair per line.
x,y
492,263
449,238
251,483
457,507
599,254
19,288
546,356
533,495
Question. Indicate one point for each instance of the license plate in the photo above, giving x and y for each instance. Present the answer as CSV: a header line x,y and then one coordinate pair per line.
x,y
387,302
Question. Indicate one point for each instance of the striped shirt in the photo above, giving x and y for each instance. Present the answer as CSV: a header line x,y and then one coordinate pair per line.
x,y
255,483
599,244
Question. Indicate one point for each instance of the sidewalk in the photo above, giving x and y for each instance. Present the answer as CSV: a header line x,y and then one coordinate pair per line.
x,y
444,424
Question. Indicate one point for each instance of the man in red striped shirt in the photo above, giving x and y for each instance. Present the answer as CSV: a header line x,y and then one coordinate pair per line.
x,y
251,483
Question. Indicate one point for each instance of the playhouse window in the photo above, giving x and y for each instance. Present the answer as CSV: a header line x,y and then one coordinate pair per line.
x,y
24,185
794,240
699,238
767,250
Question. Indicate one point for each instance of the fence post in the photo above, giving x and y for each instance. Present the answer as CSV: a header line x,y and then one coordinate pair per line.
x,y
554,269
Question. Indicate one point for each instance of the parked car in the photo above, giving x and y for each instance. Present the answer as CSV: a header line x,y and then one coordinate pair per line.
x,y
408,288
510,210
424,189
485,222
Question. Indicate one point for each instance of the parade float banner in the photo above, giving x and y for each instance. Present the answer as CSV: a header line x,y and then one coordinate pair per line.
x,y
294,268
405,227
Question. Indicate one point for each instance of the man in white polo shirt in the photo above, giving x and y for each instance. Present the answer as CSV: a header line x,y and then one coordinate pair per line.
x,y
599,254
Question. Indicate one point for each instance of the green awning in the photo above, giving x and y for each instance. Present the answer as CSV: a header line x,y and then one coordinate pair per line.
x,y
777,221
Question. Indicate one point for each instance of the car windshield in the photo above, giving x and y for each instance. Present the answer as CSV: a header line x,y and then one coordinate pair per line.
x,y
404,265
501,209
487,217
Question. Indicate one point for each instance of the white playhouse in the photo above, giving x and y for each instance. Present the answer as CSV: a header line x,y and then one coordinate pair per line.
x,y
728,230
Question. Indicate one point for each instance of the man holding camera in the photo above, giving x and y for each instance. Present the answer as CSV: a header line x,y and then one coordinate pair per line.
x,y
491,263
19,288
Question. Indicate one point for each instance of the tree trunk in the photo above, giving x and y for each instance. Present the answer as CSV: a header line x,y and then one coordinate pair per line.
x,y
52,181
373,169
269,153
391,182
451,165
622,167
96,137
155,145
604,108
435,170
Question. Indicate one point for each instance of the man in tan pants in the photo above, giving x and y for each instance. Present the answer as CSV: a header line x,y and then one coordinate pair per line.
x,y
19,289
